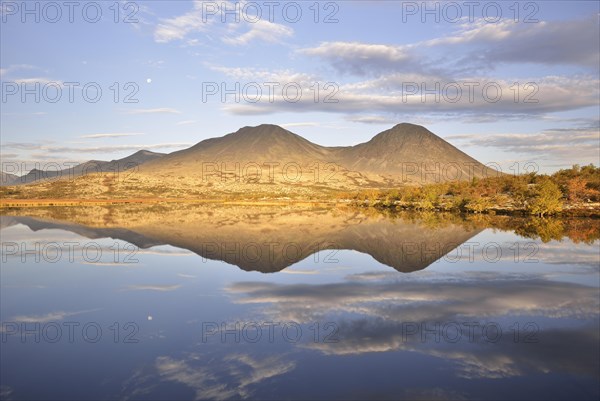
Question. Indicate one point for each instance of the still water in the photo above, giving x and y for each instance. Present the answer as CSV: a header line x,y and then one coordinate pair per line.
x,y
217,303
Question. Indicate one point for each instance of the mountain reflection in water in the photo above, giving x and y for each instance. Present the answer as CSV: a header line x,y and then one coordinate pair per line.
x,y
269,239
522,326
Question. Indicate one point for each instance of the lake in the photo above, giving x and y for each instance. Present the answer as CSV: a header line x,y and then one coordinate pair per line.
x,y
289,302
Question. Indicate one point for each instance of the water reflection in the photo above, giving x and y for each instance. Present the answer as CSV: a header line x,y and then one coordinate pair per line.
x,y
520,325
376,313
269,240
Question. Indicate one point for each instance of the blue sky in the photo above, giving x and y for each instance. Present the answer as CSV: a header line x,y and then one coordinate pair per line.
x,y
372,58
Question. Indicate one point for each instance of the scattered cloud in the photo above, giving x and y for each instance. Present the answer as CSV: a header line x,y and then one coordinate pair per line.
x,y
210,377
186,275
162,110
155,287
566,144
261,30
362,58
17,67
303,272
372,119
238,29
49,317
111,135
574,42
177,28
370,310
475,96
304,124
482,47
37,80
51,148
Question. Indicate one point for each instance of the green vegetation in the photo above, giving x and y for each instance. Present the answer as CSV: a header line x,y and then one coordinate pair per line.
x,y
571,191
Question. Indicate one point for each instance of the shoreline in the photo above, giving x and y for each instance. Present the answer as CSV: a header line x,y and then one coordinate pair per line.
x,y
27,203
574,211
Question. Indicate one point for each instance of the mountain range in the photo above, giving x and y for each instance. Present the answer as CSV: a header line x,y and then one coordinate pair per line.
x,y
269,154
89,167
406,153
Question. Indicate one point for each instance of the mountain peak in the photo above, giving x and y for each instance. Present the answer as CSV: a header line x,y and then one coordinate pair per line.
x,y
144,152
263,130
405,125
404,134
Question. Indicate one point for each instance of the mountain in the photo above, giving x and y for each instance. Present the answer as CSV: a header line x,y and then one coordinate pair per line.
x,y
8,179
404,153
266,161
89,167
265,143
413,152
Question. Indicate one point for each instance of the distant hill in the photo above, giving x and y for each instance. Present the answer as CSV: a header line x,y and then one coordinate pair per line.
x,y
8,179
89,167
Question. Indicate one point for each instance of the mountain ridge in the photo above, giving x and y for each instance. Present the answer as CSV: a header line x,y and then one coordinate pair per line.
x,y
87,167
268,161
402,152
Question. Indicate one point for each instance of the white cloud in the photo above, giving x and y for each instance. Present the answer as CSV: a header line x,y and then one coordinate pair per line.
x,y
48,317
371,119
162,110
37,80
263,31
232,379
17,67
51,148
303,124
570,145
478,96
474,47
573,41
155,287
361,58
111,135
201,19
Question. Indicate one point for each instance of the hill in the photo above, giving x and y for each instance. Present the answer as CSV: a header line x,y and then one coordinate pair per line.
x,y
268,161
89,167
8,179
406,153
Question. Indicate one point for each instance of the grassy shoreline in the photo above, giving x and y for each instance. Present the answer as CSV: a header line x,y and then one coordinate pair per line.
x,y
579,210
569,192
26,203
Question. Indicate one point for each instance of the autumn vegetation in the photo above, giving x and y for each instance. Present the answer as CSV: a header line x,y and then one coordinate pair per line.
x,y
573,191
